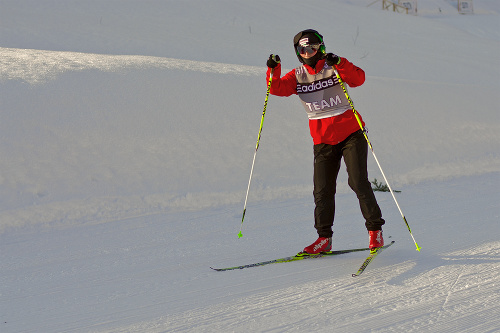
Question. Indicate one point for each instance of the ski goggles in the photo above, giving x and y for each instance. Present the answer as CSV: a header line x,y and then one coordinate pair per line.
x,y
308,48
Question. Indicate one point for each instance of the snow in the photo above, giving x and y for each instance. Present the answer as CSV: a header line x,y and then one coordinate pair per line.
x,y
127,134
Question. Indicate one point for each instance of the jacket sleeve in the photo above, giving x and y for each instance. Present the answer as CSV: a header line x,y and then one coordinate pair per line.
x,y
282,86
351,74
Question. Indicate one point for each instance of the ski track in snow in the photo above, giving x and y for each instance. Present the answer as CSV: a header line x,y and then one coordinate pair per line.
x,y
446,298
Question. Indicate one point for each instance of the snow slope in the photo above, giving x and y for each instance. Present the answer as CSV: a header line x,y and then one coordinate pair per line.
x,y
127,131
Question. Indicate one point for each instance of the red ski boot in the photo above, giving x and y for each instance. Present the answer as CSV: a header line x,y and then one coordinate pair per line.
x,y
322,244
376,239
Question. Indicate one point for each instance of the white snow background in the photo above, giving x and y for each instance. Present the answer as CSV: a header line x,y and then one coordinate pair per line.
x,y
127,132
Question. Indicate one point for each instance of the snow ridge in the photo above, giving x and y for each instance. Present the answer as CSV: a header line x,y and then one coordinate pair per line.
x,y
39,66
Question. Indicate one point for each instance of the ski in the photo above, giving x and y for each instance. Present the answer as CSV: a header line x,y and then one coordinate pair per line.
x,y
298,256
368,260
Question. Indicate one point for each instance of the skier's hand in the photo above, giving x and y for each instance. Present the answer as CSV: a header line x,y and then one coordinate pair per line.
x,y
332,59
273,60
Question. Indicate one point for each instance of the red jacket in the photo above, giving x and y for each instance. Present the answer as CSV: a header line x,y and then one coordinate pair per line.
x,y
332,130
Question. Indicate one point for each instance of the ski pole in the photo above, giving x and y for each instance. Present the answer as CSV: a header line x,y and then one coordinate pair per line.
x,y
256,148
356,114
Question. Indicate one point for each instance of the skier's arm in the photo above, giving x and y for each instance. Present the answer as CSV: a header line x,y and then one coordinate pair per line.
x,y
280,86
351,74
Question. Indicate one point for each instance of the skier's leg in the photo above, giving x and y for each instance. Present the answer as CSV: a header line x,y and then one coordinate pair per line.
x,y
355,153
327,160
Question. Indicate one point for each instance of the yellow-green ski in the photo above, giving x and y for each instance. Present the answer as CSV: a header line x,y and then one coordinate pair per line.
x,y
298,256
373,254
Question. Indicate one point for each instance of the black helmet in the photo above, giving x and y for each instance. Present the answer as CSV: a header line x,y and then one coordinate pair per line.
x,y
309,37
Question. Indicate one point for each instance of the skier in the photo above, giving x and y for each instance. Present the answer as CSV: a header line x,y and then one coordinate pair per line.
x,y
335,131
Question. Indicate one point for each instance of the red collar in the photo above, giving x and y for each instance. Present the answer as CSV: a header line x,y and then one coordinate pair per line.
x,y
319,66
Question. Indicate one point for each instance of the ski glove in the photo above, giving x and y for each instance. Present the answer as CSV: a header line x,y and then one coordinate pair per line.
x,y
273,60
332,59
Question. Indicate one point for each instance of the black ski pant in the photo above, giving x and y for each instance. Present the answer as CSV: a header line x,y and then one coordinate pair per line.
x,y
327,160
